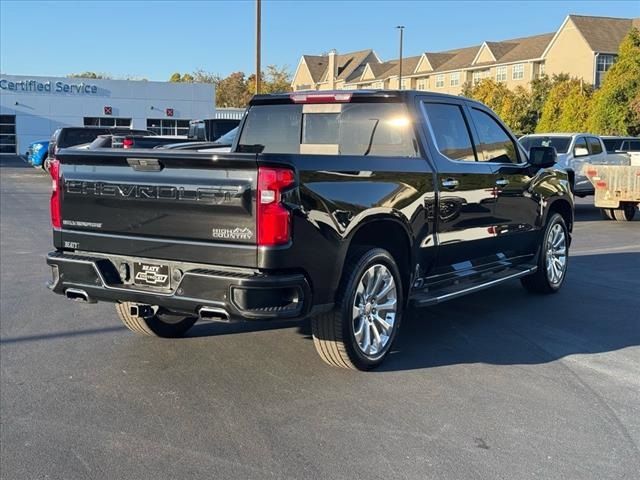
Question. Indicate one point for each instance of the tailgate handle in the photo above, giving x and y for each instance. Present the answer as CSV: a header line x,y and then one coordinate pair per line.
x,y
145,164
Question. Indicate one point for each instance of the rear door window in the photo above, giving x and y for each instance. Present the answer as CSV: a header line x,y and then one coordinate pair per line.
x,y
496,145
594,146
450,129
376,129
612,144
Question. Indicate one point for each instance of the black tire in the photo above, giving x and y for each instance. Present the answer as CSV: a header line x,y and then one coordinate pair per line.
x,y
540,281
625,213
334,333
155,325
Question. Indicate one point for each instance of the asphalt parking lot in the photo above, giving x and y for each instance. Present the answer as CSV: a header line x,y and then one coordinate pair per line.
x,y
497,385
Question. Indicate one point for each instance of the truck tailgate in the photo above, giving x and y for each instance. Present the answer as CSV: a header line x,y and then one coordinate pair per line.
x,y
179,205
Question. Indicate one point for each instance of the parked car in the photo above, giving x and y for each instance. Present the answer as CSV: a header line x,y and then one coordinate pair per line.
x,y
628,145
223,144
115,140
145,141
71,136
346,207
210,129
37,153
574,151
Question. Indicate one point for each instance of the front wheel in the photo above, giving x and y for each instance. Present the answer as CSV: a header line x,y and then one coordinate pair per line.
x,y
359,332
553,258
156,323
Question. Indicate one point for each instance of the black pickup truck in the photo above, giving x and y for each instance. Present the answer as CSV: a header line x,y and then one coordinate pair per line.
x,y
346,207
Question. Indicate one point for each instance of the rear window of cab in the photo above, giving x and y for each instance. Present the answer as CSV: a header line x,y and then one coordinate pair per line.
x,y
362,129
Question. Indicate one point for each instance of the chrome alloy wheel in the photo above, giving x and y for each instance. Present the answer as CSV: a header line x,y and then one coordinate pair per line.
x,y
374,310
556,254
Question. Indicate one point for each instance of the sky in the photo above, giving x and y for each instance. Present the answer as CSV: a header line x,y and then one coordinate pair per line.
x,y
153,39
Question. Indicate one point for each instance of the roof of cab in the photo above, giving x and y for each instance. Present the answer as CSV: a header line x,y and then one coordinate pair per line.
x,y
389,95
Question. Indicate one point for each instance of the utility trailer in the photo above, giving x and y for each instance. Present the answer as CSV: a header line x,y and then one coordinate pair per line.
x,y
617,189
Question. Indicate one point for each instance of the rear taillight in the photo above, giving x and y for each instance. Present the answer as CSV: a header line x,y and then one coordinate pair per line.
x,y
273,219
54,171
127,143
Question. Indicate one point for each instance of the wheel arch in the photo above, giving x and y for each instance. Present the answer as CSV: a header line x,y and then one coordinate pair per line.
x,y
564,208
396,238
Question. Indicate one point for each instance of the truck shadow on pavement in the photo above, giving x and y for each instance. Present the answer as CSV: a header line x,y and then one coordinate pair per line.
x,y
595,312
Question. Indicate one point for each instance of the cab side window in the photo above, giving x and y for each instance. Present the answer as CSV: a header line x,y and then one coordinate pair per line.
x,y
450,130
580,149
594,146
495,144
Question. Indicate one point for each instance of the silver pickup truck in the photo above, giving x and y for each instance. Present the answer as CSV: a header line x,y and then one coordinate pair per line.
x,y
575,150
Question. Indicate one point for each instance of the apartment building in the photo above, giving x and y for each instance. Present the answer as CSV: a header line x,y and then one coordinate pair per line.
x,y
584,47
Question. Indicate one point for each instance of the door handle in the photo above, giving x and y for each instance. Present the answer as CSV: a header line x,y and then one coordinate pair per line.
x,y
450,183
502,182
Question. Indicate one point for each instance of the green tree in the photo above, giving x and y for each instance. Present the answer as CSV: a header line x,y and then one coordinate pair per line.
x,y
516,111
493,94
232,91
566,107
178,78
91,75
616,105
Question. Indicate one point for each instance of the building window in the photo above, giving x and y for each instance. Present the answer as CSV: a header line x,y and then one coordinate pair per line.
x,y
541,69
501,74
377,85
478,75
518,71
8,134
406,83
454,79
423,84
164,126
439,81
605,62
107,122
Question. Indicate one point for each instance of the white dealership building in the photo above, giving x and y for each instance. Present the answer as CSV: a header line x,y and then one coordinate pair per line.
x,y
31,107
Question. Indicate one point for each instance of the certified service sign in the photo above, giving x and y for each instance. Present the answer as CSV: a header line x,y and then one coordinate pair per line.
x,y
48,87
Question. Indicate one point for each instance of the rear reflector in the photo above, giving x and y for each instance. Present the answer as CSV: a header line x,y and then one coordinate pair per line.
x,y
54,171
320,97
592,172
273,218
601,184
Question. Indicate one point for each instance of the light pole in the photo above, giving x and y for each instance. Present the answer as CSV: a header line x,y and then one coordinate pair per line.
x,y
401,28
258,46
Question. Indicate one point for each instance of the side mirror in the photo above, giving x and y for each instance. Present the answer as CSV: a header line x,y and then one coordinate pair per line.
x,y
580,152
543,157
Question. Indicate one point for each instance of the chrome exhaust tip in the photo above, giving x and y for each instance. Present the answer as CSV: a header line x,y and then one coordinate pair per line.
x,y
78,295
213,313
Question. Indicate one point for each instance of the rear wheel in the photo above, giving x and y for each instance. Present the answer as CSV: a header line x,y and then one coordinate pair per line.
x,y
359,332
553,258
157,323
607,213
625,213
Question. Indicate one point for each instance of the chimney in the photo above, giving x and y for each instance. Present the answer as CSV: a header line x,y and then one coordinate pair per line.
x,y
332,69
